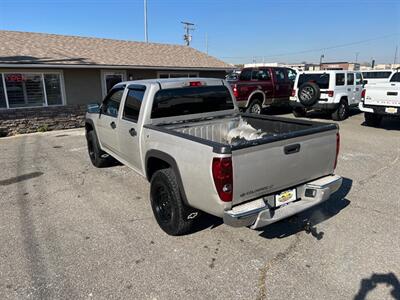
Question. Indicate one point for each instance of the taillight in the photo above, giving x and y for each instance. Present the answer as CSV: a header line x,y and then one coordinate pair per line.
x,y
330,93
195,83
337,149
235,91
363,94
293,92
223,177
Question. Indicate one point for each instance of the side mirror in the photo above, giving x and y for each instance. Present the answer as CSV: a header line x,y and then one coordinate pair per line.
x,y
365,81
94,108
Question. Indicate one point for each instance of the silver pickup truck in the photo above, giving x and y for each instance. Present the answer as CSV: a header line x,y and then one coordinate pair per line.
x,y
200,154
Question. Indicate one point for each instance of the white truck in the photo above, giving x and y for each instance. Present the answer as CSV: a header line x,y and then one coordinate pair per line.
x,y
380,100
189,139
332,91
377,76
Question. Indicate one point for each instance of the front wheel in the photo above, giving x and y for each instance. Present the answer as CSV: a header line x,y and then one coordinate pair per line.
x,y
372,120
171,214
342,112
255,107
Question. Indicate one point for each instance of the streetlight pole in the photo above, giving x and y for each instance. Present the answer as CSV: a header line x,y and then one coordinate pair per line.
x,y
146,38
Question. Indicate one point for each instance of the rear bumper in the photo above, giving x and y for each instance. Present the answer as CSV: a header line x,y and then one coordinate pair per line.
x,y
258,213
318,105
376,109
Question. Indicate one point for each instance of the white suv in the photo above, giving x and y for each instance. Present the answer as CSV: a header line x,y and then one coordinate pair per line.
x,y
333,91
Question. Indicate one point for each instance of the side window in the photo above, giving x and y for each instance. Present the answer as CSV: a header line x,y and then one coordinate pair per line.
x,y
132,103
260,75
111,103
245,75
395,77
291,75
350,78
358,79
339,79
280,75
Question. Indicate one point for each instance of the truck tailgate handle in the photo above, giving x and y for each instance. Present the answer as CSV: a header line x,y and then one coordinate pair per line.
x,y
292,149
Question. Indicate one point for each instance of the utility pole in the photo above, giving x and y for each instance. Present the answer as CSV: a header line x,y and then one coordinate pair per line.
x,y
146,38
395,55
320,61
187,37
357,53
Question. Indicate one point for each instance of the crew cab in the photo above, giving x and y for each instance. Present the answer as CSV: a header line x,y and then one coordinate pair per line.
x,y
201,154
262,87
332,91
381,100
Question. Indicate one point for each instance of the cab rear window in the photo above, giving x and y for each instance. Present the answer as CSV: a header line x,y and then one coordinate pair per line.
x,y
190,100
321,79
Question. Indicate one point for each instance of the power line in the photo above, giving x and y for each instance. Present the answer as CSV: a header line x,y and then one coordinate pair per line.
x,y
319,49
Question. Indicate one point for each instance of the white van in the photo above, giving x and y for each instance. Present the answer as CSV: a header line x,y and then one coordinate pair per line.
x,y
334,91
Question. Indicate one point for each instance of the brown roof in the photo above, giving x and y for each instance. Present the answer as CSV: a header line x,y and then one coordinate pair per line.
x,y
51,49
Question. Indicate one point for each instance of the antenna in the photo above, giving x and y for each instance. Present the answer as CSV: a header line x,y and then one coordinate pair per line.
x,y
206,42
187,37
395,56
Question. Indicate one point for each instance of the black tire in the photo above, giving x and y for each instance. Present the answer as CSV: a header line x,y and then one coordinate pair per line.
x,y
299,112
309,93
255,107
98,157
168,208
372,119
342,111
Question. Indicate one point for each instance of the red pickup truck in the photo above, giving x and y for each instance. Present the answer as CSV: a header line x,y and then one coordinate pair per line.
x,y
260,87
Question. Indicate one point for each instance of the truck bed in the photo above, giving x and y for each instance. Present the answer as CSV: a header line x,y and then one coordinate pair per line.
x,y
288,153
217,130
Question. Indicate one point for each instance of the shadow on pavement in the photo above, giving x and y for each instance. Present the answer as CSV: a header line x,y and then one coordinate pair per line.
x,y
387,124
327,116
206,221
283,110
368,284
20,178
308,219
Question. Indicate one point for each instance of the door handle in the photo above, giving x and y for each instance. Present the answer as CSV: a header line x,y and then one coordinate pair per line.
x,y
132,132
292,149
349,90
113,125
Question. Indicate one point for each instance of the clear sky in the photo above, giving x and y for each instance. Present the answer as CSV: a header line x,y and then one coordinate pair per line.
x,y
238,30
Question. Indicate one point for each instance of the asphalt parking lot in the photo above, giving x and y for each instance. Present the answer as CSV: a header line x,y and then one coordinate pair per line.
x,y
71,231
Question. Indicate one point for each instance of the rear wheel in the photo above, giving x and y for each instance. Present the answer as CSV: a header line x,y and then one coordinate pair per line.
x,y
342,112
172,215
98,157
299,112
372,120
255,107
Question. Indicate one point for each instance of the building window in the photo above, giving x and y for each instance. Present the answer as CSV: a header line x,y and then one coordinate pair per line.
x,y
30,90
177,75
